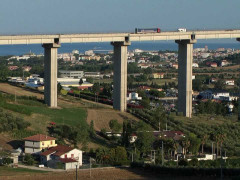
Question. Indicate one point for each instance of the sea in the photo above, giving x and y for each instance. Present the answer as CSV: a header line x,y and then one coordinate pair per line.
x,y
106,47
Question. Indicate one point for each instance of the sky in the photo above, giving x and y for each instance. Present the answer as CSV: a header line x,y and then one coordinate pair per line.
x,y
83,16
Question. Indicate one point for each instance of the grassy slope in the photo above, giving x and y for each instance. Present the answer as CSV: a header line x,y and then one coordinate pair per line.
x,y
13,171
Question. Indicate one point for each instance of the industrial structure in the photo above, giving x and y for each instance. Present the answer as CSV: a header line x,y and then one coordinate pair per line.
x,y
120,41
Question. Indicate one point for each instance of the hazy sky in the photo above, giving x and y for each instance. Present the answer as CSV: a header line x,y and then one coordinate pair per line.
x,y
79,16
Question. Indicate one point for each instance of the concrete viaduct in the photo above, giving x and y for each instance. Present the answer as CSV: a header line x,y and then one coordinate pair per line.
x,y
120,42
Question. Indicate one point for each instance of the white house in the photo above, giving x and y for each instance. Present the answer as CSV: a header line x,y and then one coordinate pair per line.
x,y
133,96
67,156
229,82
195,65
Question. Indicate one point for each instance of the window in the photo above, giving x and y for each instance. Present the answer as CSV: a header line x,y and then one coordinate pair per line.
x,y
43,143
72,155
65,155
51,143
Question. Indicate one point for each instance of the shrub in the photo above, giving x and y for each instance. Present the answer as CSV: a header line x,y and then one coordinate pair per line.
x,y
29,160
183,162
194,162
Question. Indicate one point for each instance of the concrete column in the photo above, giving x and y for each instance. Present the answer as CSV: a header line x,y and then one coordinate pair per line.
x,y
120,75
238,39
185,59
50,74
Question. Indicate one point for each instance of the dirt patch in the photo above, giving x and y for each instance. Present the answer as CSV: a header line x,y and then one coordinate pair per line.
x,y
101,117
7,88
4,142
108,173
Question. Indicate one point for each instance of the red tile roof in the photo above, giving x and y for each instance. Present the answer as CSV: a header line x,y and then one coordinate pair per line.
x,y
39,137
58,150
46,153
67,160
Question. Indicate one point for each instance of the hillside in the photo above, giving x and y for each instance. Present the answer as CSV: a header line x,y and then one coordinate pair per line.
x,y
70,112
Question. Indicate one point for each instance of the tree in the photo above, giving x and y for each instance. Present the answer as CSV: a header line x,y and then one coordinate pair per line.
x,y
114,125
220,85
145,137
194,143
204,138
118,155
29,160
91,129
145,103
96,88
81,81
59,88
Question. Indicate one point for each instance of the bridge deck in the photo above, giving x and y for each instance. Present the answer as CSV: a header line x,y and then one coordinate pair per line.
x,y
82,38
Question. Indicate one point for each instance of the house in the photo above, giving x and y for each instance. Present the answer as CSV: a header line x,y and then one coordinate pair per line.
x,y
215,94
175,66
195,65
211,64
175,135
35,144
133,96
224,63
143,66
157,75
12,68
26,68
62,155
229,82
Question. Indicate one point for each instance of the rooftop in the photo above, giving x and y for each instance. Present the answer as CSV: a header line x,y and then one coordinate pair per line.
x,y
39,137
57,151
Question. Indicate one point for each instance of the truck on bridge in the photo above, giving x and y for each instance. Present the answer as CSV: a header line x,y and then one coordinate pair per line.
x,y
147,30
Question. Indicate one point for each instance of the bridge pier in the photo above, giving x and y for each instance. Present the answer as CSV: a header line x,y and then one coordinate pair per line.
x,y
185,59
50,74
238,39
120,75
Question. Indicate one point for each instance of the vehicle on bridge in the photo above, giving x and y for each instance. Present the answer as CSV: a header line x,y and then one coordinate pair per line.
x,y
182,30
147,30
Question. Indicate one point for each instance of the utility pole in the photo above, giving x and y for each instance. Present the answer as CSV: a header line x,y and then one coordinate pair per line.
x,y
162,155
159,126
90,168
225,156
76,172
221,162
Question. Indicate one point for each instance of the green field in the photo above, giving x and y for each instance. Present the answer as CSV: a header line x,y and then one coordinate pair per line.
x,y
8,171
39,115
158,81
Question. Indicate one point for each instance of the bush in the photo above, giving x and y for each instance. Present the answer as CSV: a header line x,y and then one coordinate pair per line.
x,y
183,162
7,161
29,160
194,162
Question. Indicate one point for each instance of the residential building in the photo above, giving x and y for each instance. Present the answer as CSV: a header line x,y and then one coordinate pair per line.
x,y
12,68
157,75
67,156
224,63
229,82
133,96
71,74
93,74
35,144
195,65
89,53
215,94
175,66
